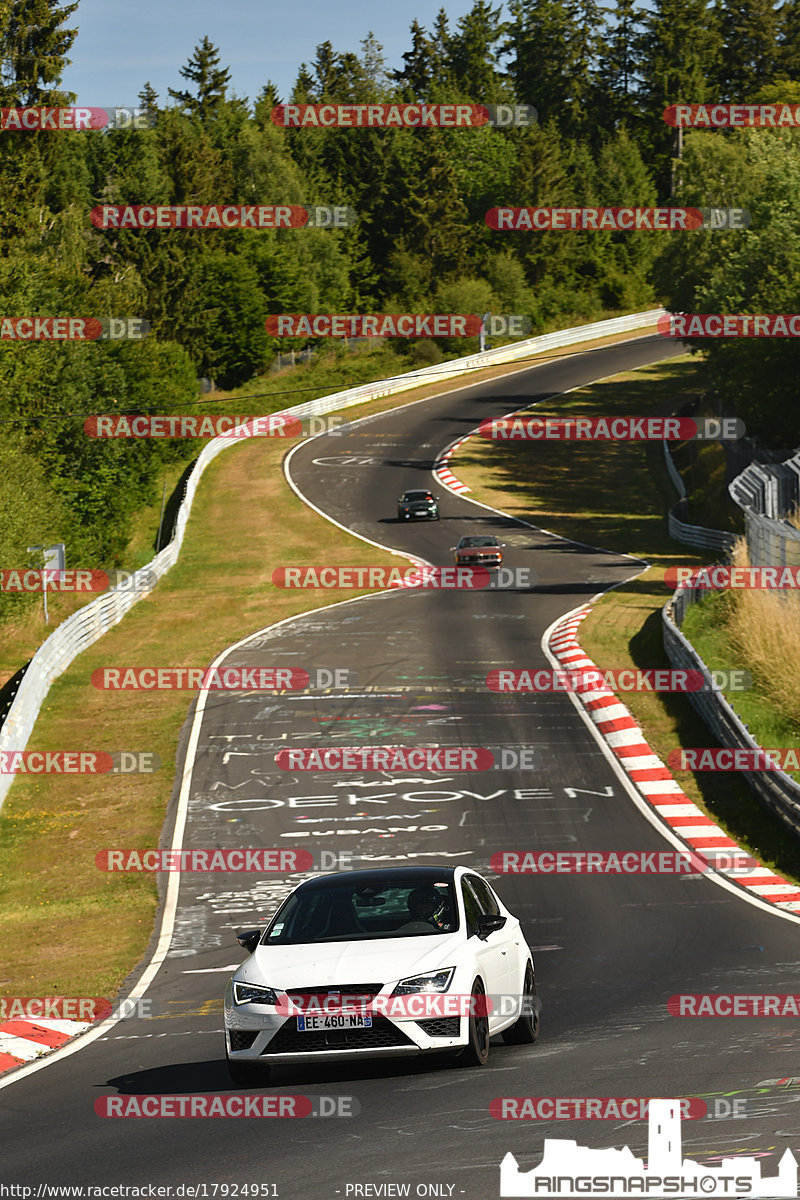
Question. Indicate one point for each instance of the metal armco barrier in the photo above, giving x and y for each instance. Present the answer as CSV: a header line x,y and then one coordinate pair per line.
x,y
777,790
89,624
691,535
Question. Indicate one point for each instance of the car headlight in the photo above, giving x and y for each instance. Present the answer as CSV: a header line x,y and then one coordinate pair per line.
x,y
253,993
433,981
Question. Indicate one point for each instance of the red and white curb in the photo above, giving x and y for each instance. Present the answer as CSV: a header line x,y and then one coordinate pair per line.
x,y
22,1041
655,781
445,475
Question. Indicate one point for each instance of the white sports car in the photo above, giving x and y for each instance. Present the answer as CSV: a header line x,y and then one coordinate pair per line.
x,y
445,965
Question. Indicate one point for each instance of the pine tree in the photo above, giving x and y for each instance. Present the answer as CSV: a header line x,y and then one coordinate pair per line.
x,y
473,54
680,48
750,47
33,51
210,80
617,77
789,39
416,76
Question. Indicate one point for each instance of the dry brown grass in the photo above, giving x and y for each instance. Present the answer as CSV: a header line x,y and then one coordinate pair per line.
x,y
764,626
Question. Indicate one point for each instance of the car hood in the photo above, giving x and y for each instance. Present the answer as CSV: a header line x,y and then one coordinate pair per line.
x,y
327,963
419,504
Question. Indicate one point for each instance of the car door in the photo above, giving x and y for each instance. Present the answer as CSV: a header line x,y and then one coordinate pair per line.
x,y
491,952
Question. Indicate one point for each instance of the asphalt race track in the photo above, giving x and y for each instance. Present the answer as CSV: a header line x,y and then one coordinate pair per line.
x,y
609,950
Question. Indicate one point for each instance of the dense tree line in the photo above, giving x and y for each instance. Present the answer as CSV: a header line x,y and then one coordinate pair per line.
x,y
599,78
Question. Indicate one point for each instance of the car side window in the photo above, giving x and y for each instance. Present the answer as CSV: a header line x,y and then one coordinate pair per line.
x,y
472,908
486,899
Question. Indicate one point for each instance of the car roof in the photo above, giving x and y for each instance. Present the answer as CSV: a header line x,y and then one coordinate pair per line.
x,y
382,876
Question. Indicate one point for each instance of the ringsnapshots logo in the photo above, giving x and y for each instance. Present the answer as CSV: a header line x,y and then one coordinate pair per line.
x,y
222,679
222,216
144,426
732,116
729,325
62,120
206,1105
403,116
569,1170
400,325
610,429
622,679
72,329
417,576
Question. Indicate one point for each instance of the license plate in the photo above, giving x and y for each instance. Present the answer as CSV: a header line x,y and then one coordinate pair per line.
x,y
325,1021
421,513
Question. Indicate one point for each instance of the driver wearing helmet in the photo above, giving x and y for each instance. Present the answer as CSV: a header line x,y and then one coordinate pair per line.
x,y
422,904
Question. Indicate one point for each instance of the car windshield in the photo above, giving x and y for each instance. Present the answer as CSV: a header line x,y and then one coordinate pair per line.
x,y
362,912
418,496
478,541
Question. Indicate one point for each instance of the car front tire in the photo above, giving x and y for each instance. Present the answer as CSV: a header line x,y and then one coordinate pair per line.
x,y
476,1051
525,1029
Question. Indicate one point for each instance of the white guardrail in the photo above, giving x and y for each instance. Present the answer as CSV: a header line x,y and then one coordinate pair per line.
x,y
89,623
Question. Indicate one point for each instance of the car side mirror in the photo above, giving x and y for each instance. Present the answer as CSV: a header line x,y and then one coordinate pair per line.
x,y
248,939
489,923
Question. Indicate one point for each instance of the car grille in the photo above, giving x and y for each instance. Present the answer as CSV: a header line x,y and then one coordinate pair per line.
x,y
383,1035
242,1039
441,1027
338,989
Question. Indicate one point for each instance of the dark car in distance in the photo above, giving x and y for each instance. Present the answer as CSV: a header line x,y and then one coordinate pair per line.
x,y
418,505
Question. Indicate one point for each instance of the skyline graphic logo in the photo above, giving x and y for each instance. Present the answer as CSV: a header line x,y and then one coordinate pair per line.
x,y
567,1169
